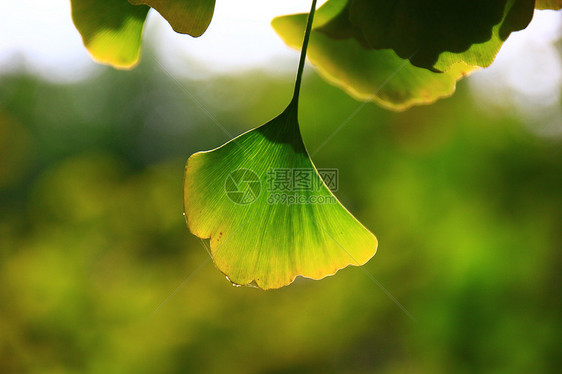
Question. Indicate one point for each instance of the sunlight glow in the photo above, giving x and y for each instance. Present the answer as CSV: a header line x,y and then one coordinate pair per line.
x,y
38,36
526,77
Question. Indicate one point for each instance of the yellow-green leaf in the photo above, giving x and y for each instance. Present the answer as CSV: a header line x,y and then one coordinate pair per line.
x,y
436,34
111,30
264,235
517,15
368,75
185,16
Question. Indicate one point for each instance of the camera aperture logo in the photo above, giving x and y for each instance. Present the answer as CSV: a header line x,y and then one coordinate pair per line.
x,y
285,186
242,186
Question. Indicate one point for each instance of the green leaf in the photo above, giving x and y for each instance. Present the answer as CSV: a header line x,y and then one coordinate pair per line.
x,y
517,15
548,4
436,34
265,225
111,30
368,75
256,238
185,16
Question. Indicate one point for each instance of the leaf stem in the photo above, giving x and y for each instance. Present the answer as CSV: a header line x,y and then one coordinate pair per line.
x,y
295,100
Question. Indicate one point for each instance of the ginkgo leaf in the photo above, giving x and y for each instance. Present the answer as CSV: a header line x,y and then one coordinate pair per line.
x,y
185,16
111,30
437,34
267,212
266,229
368,75
548,4
517,15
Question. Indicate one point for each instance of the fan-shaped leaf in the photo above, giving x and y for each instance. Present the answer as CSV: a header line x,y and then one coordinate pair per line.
x,y
185,16
368,75
265,235
111,29
436,34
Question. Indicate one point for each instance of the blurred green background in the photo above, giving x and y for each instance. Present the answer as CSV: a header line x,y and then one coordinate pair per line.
x,y
466,204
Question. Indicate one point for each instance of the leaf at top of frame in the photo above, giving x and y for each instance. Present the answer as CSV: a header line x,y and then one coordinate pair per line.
x,y
111,30
185,16
368,75
434,34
